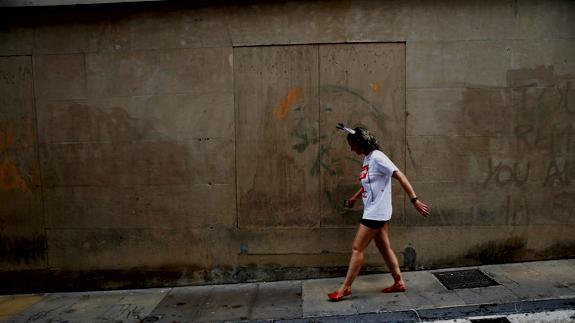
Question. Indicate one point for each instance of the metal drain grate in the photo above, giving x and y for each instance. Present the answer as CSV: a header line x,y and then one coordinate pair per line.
x,y
459,279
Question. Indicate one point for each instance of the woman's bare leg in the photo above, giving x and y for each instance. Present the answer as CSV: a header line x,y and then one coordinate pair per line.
x,y
384,247
363,237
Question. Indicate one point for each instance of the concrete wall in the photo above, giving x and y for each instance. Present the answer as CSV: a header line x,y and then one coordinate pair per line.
x,y
170,143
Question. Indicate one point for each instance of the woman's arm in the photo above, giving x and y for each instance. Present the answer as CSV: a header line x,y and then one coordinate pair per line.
x,y
354,197
421,207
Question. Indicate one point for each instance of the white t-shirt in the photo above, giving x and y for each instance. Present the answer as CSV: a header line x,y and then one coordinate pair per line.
x,y
375,179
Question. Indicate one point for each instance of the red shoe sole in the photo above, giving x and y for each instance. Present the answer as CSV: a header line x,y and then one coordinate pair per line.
x,y
393,290
335,298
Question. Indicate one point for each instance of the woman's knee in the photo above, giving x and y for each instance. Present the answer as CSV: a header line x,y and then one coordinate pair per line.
x,y
356,249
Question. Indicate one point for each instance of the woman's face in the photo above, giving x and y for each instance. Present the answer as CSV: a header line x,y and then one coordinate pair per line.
x,y
354,147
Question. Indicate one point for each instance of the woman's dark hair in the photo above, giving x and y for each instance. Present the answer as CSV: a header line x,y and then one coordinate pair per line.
x,y
363,139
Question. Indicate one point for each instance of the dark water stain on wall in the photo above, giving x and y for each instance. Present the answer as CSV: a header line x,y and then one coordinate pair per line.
x,y
409,258
492,252
22,249
560,249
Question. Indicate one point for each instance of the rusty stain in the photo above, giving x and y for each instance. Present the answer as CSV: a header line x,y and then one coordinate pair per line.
x,y
10,178
375,87
6,137
285,105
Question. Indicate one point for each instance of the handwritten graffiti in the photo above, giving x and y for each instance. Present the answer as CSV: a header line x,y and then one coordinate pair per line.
x,y
557,173
503,174
538,101
560,174
554,140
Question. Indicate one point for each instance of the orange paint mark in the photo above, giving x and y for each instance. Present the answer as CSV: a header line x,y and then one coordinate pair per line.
x,y
284,107
10,178
375,87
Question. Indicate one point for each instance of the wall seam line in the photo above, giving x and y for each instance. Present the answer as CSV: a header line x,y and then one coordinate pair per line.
x,y
319,134
405,116
38,160
235,137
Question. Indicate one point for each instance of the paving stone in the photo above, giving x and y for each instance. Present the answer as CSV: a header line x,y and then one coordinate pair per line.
x,y
561,271
13,304
70,307
521,285
426,300
134,305
425,291
181,303
278,300
486,295
528,283
316,303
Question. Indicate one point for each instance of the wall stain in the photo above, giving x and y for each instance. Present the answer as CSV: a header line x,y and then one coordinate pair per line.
x,y
493,252
15,173
540,75
409,258
283,108
6,136
22,249
10,177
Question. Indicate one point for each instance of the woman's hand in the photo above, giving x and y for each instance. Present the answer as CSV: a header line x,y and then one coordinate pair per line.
x,y
349,203
422,208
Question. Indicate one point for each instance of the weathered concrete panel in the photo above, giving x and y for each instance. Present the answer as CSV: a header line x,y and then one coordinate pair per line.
x,y
110,249
547,59
162,207
458,63
138,163
460,112
22,238
16,40
448,159
202,116
69,36
462,20
211,161
159,72
185,27
288,23
377,21
360,85
477,204
60,76
151,163
435,64
536,20
277,136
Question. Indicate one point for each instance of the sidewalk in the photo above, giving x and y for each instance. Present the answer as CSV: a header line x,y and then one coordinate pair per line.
x,y
523,287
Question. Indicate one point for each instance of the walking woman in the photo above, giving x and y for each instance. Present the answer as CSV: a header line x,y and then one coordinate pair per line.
x,y
375,191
